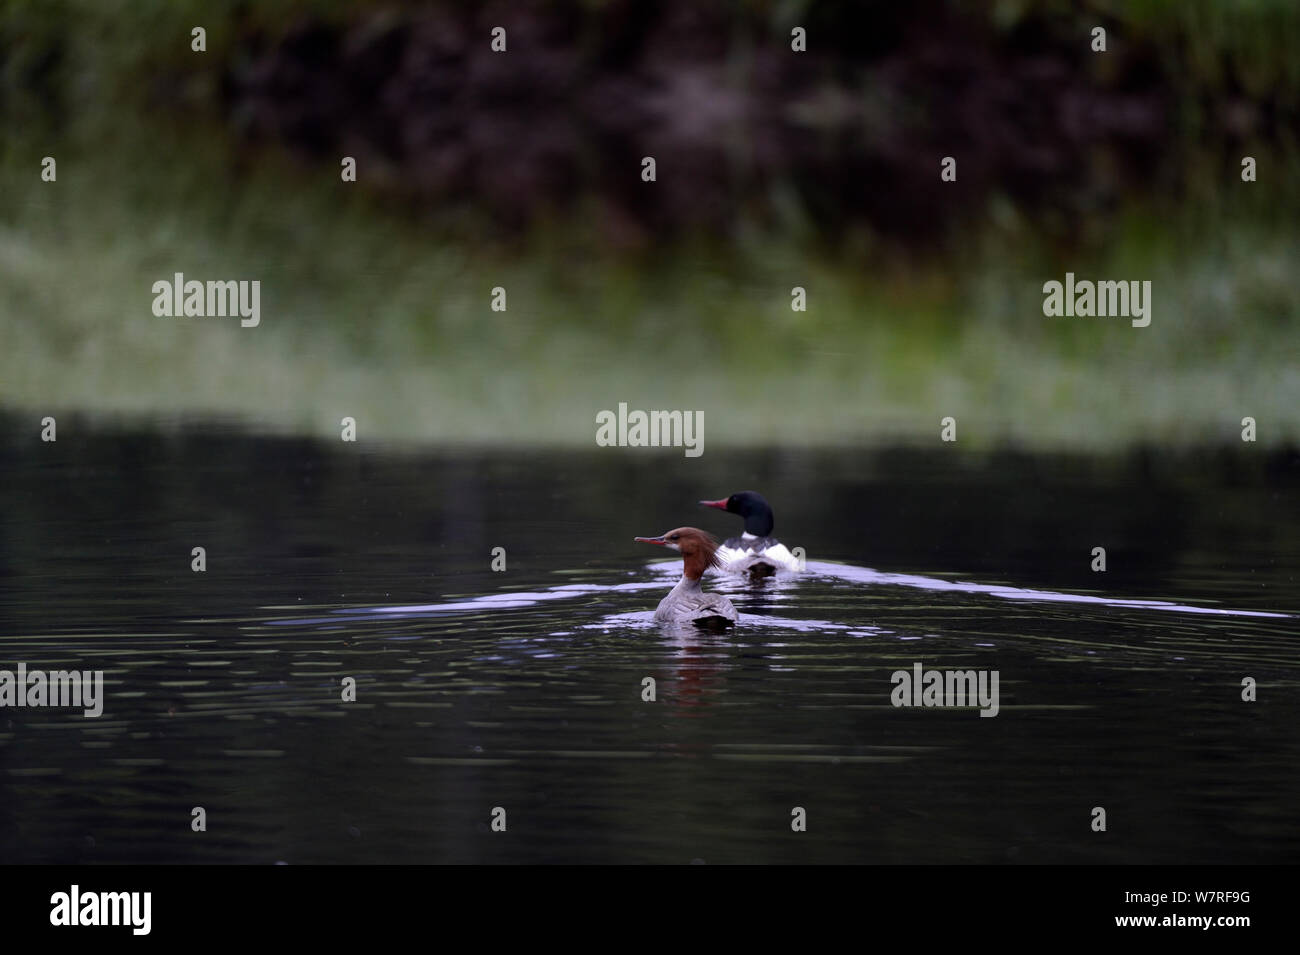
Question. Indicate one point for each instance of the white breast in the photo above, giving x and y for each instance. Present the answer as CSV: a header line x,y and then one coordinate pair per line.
x,y
738,560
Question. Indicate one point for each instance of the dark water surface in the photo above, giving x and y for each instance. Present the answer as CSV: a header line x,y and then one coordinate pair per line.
x,y
522,689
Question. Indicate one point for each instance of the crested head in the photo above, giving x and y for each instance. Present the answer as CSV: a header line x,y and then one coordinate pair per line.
x,y
699,549
750,505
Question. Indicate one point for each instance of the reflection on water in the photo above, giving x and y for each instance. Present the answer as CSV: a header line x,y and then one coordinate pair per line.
x,y
523,689
775,589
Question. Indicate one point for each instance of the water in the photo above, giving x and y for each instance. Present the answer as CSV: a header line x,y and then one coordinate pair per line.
x,y
522,689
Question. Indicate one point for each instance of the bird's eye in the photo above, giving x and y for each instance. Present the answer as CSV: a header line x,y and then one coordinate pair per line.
x,y
674,537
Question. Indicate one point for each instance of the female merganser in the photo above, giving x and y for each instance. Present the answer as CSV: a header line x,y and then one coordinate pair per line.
x,y
755,552
687,603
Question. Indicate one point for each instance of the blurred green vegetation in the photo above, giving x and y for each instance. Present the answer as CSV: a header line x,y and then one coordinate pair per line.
x,y
373,311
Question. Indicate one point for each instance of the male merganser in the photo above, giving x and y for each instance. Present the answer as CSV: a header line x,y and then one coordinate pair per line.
x,y
755,552
687,603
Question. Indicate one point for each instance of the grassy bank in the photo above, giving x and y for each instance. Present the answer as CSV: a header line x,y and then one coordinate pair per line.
x,y
383,312
375,316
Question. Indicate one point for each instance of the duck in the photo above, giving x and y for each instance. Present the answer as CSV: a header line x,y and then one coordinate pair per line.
x,y
755,553
688,602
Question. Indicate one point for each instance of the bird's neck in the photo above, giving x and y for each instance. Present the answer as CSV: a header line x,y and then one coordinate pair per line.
x,y
695,564
687,585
